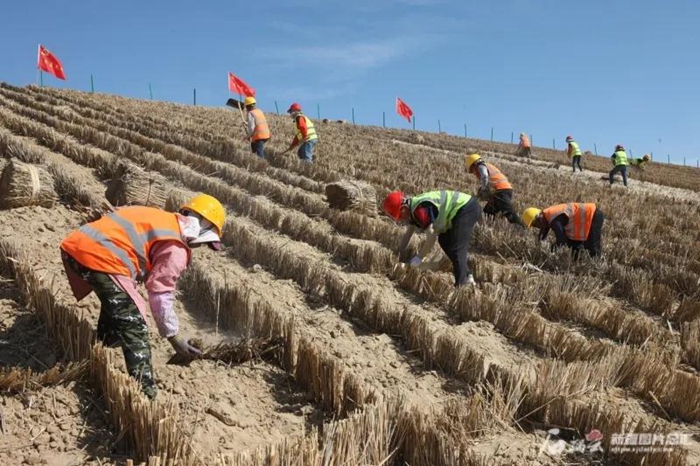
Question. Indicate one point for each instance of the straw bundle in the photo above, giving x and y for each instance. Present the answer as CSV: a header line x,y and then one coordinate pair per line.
x,y
132,185
237,353
352,195
23,184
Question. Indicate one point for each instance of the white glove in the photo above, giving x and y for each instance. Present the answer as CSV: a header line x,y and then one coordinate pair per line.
x,y
416,261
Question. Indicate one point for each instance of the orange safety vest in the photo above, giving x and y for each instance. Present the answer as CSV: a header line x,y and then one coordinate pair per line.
x,y
524,141
580,217
497,179
262,129
120,242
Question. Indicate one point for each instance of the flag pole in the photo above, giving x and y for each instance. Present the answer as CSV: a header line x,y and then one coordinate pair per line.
x,y
41,78
38,57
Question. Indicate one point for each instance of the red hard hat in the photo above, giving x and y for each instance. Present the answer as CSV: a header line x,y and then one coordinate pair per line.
x,y
569,138
619,147
295,107
392,204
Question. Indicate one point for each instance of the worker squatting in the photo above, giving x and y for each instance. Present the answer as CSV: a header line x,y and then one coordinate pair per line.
x,y
148,245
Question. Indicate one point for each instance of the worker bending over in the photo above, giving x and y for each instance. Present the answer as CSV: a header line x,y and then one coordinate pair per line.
x,y
305,137
493,188
449,216
258,129
619,161
640,163
140,244
576,225
524,147
574,151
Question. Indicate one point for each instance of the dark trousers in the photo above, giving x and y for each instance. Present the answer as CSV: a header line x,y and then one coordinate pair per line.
x,y
502,202
594,242
524,152
258,147
619,169
120,322
576,161
455,242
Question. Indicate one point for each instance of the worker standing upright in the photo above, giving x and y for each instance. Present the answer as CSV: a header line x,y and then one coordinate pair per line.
x,y
140,244
258,129
524,147
574,151
305,136
619,161
577,225
449,216
494,188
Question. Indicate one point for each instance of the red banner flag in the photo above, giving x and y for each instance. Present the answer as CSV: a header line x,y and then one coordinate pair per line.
x,y
403,109
48,62
238,86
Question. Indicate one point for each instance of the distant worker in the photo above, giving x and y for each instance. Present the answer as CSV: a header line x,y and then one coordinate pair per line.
x,y
576,225
449,216
640,163
619,161
574,151
494,188
524,147
305,137
258,129
140,244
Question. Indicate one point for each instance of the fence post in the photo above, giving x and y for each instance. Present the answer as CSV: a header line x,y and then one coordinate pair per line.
x,y
465,130
194,94
92,84
631,154
150,90
511,137
554,144
668,157
318,111
532,141
277,108
595,147
684,161
353,116
414,121
439,127
492,134
383,119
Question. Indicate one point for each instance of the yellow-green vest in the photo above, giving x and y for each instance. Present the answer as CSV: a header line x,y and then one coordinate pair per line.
x,y
310,130
576,150
447,203
620,158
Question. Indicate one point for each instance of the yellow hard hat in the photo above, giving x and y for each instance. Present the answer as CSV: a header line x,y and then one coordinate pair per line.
x,y
208,207
249,101
471,159
530,215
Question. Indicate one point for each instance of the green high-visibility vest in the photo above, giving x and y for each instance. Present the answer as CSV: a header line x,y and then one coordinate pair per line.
x,y
576,150
447,203
620,158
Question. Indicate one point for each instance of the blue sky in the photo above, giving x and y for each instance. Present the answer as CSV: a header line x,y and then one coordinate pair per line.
x,y
606,72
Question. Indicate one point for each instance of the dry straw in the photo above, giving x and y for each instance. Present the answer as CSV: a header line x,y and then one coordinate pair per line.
x,y
23,184
132,185
352,195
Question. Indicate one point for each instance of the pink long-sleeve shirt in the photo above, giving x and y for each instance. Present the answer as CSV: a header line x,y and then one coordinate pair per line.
x,y
168,260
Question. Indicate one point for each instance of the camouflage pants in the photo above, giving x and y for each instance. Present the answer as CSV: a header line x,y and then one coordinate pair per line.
x,y
120,322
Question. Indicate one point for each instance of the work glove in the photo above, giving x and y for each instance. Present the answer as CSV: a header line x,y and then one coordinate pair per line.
x,y
484,194
183,348
415,262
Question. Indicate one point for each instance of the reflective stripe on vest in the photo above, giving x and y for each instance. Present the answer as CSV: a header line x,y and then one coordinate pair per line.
x,y
620,157
120,242
575,150
580,218
310,130
448,204
262,129
497,179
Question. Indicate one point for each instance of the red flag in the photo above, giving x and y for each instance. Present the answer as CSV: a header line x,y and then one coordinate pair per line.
x,y
237,85
48,62
403,109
